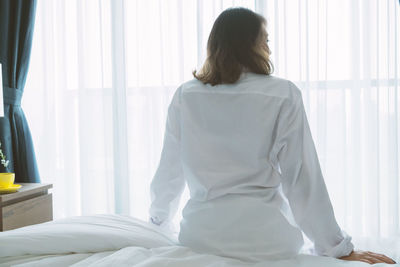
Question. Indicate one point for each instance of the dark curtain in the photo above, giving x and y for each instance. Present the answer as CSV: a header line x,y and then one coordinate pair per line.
x,y
17,18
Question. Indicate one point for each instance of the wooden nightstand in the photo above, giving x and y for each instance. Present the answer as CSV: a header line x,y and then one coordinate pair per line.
x,y
32,204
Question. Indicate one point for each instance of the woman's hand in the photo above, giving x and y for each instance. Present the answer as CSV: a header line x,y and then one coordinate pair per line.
x,y
368,257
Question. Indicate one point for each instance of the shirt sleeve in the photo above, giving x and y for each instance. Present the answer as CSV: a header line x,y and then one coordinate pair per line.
x,y
168,182
303,182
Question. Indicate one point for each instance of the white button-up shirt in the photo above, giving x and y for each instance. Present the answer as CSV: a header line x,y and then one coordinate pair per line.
x,y
245,139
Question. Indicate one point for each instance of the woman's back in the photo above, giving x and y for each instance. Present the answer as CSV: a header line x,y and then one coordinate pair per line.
x,y
226,140
227,135
243,149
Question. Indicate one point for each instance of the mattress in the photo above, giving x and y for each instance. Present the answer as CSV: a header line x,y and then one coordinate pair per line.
x,y
116,240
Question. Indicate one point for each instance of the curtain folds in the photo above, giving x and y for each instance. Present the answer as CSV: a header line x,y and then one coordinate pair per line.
x,y
17,20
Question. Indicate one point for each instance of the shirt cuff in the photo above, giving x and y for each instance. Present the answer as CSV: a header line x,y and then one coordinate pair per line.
x,y
155,220
344,248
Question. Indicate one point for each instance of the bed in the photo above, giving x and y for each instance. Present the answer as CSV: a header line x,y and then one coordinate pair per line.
x,y
116,240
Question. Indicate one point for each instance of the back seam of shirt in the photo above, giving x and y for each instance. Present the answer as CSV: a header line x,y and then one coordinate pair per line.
x,y
243,93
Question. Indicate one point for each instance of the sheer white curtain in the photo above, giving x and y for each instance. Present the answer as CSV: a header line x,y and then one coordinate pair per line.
x,y
102,74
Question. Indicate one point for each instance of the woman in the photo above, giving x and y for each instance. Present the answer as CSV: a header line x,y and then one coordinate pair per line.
x,y
240,139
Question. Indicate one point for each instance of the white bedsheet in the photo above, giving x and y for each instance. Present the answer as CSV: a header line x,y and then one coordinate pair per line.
x,y
113,240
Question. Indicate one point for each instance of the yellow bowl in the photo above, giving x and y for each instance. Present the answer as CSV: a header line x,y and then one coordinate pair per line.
x,y
6,179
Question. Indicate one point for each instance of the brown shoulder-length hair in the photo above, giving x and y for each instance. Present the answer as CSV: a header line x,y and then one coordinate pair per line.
x,y
237,42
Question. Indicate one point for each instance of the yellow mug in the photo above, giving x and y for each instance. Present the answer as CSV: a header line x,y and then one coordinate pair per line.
x,y
6,179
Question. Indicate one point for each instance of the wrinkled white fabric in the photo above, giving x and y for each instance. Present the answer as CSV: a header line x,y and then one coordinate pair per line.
x,y
113,240
83,234
246,152
172,256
